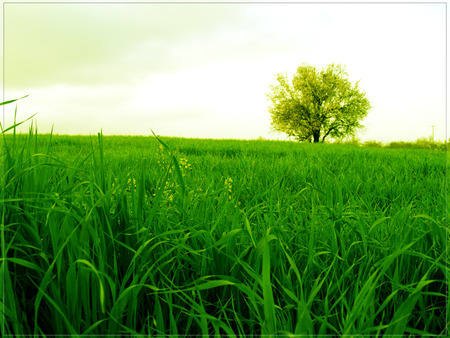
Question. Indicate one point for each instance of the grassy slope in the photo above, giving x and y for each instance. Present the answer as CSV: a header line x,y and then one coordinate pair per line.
x,y
237,237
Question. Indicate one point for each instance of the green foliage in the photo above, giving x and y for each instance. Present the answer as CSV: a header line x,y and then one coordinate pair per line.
x,y
316,105
134,236
421,143
350,140
374,144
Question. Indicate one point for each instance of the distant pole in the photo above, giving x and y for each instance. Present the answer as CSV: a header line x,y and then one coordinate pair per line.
x,y
432,133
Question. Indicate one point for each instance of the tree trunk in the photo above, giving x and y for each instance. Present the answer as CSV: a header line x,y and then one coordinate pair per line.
x,y
316,135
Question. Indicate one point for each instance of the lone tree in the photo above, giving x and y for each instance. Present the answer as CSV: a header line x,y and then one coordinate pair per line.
x,y
315,105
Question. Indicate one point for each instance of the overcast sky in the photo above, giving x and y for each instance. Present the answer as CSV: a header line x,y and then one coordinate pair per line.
x,y
203,70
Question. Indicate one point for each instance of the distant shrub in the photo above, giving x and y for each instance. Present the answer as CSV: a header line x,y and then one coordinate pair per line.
x,y
400,144
421,143
348,141
374,144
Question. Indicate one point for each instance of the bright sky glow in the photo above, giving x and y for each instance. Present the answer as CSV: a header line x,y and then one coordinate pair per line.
x,y
203,70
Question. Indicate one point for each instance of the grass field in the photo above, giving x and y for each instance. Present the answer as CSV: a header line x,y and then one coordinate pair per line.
x,y
122,235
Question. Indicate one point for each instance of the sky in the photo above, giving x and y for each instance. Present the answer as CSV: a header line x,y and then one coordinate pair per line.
x,y
204,70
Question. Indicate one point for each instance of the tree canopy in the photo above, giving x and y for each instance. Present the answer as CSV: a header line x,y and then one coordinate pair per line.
x,y
315,105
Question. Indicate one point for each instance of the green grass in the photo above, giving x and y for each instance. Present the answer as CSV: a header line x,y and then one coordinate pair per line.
x,y
132,235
